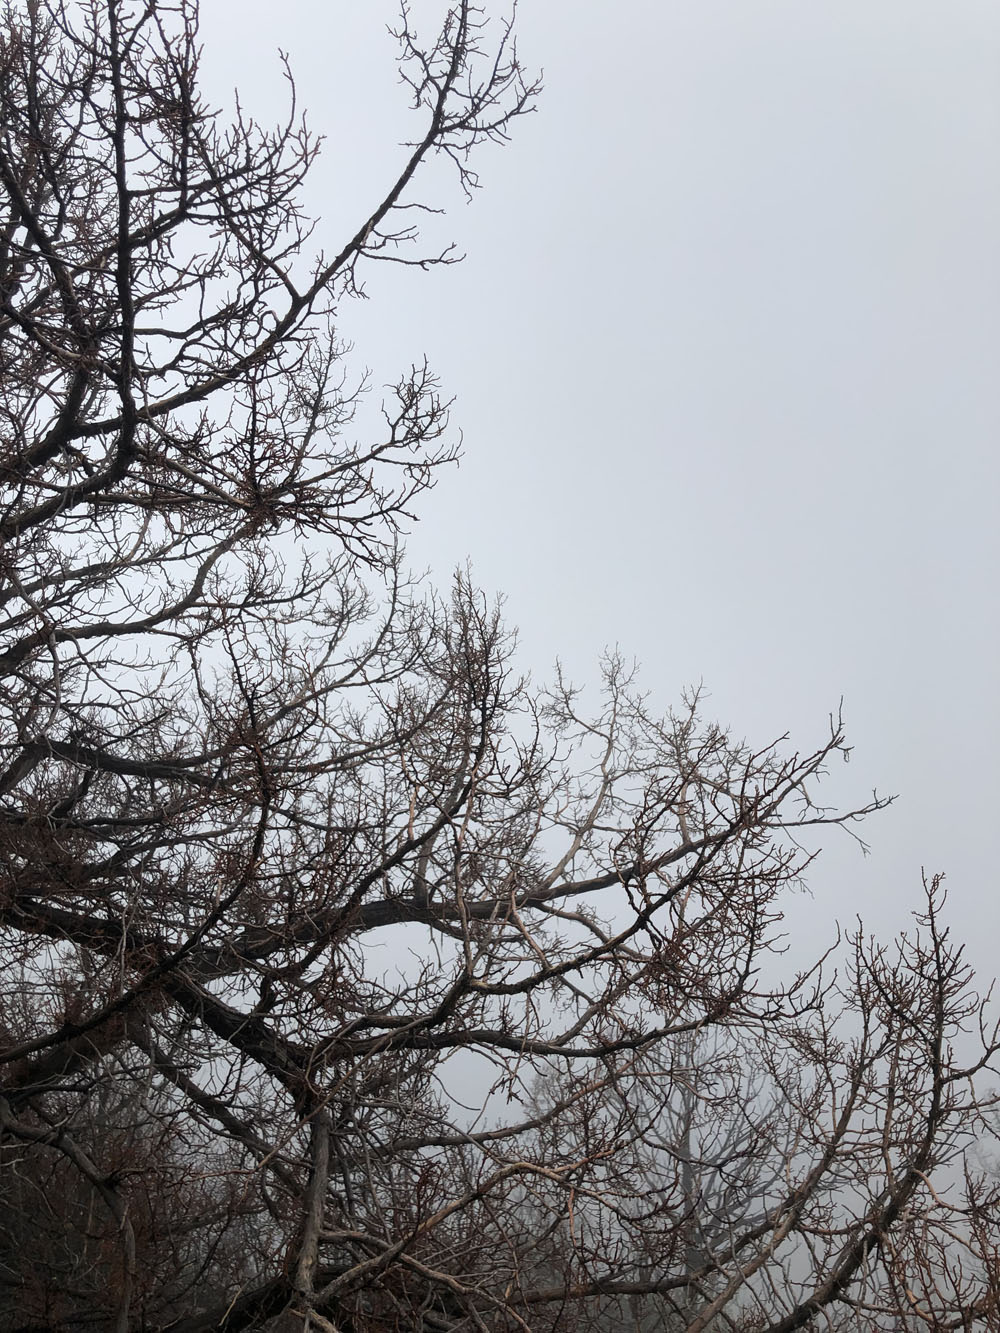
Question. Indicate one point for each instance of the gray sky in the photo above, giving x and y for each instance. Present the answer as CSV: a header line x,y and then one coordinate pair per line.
x,y
724,349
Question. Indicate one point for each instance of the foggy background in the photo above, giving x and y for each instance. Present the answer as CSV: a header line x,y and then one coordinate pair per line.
x,y
724,349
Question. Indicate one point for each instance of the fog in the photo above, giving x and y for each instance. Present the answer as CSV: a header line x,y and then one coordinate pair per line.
x,y
723,349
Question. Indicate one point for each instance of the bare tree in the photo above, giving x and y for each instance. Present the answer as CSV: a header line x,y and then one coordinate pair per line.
x,y
241,752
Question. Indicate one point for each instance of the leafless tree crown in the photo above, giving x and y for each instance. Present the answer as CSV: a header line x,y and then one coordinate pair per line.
x,y
293,865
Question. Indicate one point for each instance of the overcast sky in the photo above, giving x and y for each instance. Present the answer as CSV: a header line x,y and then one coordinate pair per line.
x,y
725,352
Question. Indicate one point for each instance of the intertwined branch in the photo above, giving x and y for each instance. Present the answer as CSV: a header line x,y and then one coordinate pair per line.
x,y
294,867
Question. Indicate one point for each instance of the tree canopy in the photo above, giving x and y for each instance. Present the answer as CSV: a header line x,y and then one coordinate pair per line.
x,y
293,861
